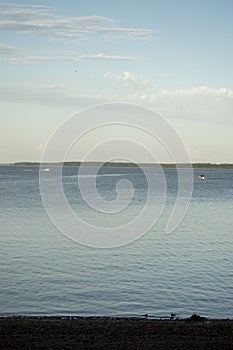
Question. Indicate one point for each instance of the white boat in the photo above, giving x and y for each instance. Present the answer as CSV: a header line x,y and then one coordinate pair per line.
x,y
201,177
45,169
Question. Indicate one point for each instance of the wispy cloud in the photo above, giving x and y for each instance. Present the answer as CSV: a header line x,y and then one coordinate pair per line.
x,y
42,21
15,5
58,59
8,50
129,80
52,95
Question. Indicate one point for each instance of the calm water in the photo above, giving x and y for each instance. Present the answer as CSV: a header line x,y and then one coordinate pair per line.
x,y
189,271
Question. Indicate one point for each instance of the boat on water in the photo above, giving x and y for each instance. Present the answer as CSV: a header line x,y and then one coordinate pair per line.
x,y
201,177
45,169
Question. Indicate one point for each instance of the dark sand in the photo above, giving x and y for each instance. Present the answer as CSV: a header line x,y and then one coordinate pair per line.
x,y
114,333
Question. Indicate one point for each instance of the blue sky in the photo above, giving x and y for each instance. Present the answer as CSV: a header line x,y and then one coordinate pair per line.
x,y
172,56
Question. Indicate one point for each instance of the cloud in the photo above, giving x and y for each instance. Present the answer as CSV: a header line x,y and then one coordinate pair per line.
x,y
202,104
41,20
8,50
58,59
129,80
53,96
198,103
15,5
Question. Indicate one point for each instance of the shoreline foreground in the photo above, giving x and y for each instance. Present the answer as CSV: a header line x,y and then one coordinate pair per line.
x,y
114,333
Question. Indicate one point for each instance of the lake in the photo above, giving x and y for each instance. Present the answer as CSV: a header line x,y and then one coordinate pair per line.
x,y
188,271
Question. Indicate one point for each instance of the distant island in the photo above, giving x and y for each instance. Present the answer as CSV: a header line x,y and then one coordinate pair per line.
x,y
125,164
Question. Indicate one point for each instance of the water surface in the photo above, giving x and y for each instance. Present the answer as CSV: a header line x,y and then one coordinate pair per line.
x,y
189,271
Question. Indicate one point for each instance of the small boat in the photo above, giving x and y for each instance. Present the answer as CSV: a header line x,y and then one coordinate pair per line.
x,y
45,169
201,177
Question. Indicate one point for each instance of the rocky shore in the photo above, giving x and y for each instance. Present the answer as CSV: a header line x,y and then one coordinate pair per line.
x,y
114,333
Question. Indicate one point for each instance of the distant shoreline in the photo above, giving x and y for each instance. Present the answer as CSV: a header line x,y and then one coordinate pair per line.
x,y
131,165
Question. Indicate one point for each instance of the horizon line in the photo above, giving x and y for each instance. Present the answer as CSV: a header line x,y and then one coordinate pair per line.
x,y
33,163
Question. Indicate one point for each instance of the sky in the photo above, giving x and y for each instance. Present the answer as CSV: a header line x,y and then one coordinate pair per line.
x,y
61,57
